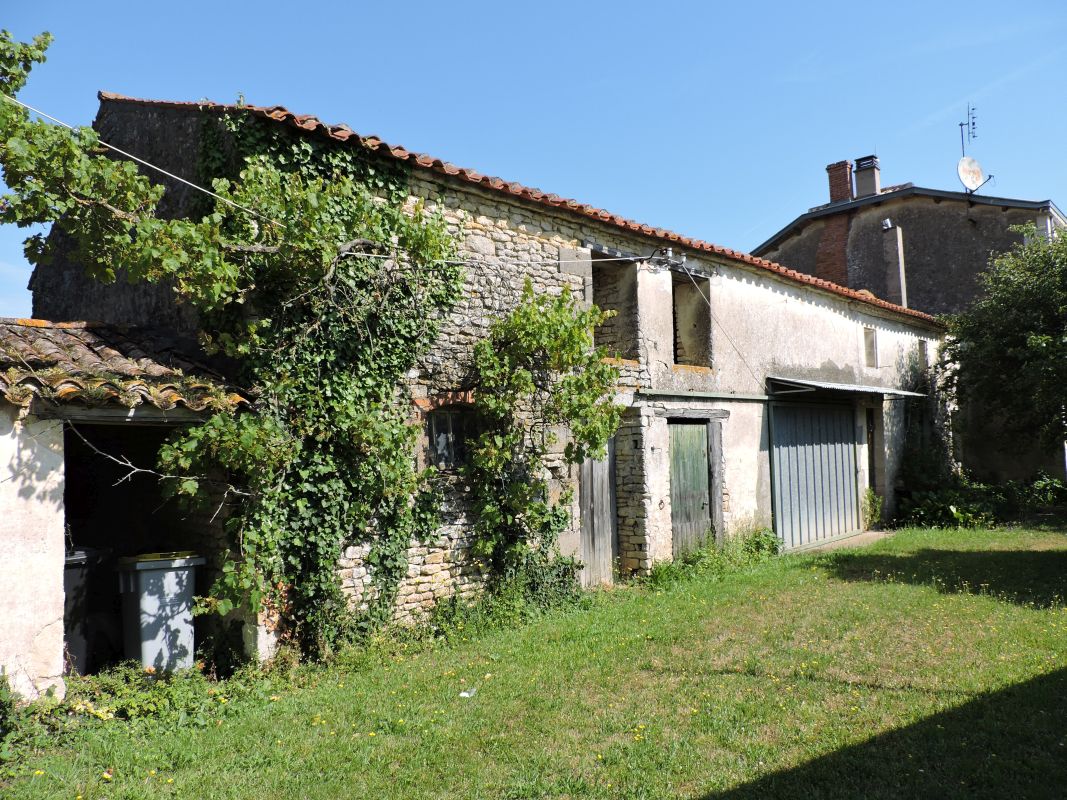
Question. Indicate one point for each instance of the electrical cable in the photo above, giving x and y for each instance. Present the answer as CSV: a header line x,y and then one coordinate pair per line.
x,y
461,262
131,156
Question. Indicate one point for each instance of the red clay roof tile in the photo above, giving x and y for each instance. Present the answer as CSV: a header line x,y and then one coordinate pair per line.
x,y
95,363
310,123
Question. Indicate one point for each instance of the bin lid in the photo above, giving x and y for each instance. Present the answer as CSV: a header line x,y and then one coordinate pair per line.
x,y
166,560
76,557
78,554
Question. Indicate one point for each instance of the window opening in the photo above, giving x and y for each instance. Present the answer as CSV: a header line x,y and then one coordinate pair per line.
x,y
447,430
615,289
870,346
691,319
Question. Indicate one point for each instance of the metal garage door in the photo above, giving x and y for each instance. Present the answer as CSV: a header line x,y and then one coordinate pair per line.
x,y
814,463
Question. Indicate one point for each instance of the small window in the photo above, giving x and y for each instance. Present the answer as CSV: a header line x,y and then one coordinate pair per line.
x,y
924,354
691,319
870,346
615,289
447,430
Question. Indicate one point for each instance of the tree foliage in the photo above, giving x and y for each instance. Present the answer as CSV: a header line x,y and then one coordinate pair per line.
x,y
537,372
325,298
1008,351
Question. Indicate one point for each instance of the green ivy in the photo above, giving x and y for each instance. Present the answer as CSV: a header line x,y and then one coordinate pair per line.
x,y
536,372
323,301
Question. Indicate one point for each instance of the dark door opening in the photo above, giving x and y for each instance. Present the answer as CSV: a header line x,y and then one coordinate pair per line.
x,y
113,512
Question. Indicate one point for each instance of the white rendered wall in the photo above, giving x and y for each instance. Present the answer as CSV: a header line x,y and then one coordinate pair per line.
x,y
31,552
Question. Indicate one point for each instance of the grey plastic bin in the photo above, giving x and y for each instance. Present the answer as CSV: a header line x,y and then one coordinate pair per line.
x,y
76,609
157,608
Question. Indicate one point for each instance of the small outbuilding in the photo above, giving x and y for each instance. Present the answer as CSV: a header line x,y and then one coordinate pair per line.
x,y
83,411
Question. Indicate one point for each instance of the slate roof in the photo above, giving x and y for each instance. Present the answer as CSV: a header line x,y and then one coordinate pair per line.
x,y
98,364
342,133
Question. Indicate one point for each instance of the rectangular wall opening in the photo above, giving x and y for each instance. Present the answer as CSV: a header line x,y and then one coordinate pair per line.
x,y
870,347
615,289
692,319
112,513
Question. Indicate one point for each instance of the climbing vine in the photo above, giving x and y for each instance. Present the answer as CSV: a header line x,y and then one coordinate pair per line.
x,y
325,341
536,372
320,300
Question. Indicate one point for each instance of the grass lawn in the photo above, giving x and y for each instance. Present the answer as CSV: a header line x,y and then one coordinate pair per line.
x,y
932,664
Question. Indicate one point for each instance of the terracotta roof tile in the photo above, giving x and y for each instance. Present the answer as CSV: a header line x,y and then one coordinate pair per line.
x,y
101,364
310,123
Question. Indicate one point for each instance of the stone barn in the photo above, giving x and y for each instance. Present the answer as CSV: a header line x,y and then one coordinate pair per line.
x,y
755,395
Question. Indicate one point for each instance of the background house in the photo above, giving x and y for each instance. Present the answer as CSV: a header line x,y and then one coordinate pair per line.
x,y
924,249
755,395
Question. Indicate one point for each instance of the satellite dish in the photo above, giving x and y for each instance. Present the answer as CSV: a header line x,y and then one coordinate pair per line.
x,y
970,172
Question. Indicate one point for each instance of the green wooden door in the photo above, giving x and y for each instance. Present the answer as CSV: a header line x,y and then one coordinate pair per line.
x,y
690,482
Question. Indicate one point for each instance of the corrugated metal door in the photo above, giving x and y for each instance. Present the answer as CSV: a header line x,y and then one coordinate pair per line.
x,y
690,485
600,531
814,463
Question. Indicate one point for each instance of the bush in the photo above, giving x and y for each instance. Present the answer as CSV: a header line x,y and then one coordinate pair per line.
x,y
1045,492
969,504
736,553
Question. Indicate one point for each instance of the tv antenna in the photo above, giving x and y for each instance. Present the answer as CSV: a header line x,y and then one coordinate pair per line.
x,y
969,170
968,128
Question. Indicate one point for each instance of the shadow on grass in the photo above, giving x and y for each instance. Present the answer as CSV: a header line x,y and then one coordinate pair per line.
x,y
1025,577
1009,743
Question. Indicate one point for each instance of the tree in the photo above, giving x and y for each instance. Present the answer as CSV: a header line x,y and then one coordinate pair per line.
x,y
1007,353
323,294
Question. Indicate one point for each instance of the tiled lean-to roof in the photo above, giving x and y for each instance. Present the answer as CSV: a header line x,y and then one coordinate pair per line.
x,y
97,364
342,133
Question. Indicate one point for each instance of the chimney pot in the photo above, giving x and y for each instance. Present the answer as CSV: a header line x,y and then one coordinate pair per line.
x,y
868,176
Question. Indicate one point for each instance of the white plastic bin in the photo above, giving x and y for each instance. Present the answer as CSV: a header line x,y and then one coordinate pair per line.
x,y
157,608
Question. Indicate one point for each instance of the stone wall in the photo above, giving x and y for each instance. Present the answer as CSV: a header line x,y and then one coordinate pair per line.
x,y
171,139
947,244
437,569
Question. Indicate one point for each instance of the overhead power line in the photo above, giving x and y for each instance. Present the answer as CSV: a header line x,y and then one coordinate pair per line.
x,y
666,258
150,165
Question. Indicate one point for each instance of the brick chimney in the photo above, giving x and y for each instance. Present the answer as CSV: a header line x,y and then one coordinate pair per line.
x,y
840,174
868,176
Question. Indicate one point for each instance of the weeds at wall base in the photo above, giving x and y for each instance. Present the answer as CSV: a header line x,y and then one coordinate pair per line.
x,y
736,554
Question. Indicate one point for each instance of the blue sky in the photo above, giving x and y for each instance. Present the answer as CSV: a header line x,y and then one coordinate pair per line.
x,y
714,119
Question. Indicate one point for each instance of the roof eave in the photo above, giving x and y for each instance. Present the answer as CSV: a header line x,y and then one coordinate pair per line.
x,y
342,133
